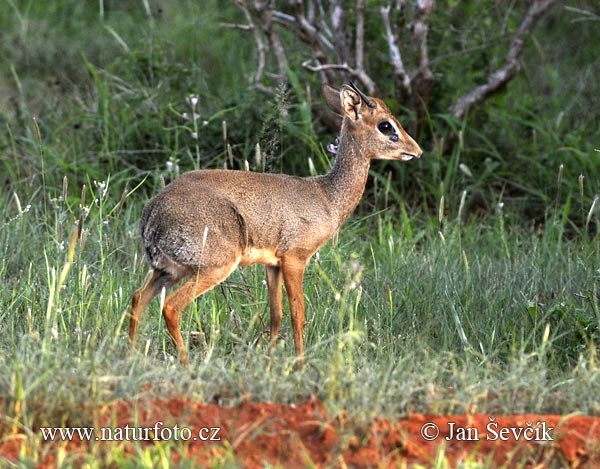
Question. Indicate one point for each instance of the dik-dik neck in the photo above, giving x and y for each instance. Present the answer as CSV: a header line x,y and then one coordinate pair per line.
x,y
346,180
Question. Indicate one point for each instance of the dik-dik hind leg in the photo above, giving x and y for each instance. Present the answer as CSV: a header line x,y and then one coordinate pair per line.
x,y
154,282
175,303
293,276
274,278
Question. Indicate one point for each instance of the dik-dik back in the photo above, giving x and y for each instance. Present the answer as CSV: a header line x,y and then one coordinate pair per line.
x,y
206,223
215,216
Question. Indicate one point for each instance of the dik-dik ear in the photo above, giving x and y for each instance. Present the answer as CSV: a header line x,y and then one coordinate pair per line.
x,y
345,102
332,98
350,102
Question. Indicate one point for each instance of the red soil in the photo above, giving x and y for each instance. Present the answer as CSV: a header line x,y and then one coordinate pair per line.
x,y
294,435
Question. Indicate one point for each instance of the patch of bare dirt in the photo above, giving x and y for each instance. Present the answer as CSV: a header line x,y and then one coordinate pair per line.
x,y
296,435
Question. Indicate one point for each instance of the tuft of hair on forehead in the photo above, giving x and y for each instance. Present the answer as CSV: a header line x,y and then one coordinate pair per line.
x,y
368,101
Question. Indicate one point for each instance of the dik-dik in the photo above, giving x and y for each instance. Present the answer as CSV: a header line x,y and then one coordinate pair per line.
x,y
206,223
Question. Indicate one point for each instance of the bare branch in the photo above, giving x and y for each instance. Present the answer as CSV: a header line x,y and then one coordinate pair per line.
x,y
265,9
500,77
261,49
311,12
422,80
337,13
395,55
321,67
309,34
323,26
360,34
359,71
361,75
289,22
423,9
241,27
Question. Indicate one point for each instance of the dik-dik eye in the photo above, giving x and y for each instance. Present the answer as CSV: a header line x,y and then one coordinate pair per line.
x,y
386,128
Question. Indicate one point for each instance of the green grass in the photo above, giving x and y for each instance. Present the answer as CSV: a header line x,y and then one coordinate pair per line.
x,y
472,316
464,281
479,308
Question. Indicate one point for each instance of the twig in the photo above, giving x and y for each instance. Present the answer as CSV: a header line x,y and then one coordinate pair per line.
x,y
359,74
500,77
242,27
321,67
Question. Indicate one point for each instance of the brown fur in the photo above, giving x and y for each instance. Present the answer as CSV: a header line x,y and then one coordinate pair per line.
x,y
206,223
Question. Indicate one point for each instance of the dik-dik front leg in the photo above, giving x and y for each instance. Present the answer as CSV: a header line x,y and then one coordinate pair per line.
x,y
293,276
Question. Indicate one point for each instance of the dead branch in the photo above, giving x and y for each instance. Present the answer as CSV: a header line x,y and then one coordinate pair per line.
x,y
261,48
322,29
360,72
415,87
420,29
241,27
395,56
265,9
337,17
322,67
353,72
309,34
512,66
360,34
289,22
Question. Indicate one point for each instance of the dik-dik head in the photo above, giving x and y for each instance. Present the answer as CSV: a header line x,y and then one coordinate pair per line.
x,y
371,123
